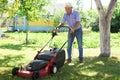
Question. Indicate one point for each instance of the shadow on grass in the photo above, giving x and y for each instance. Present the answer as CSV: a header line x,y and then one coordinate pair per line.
x,y
7,75
7,63
16,46
94,68
11,61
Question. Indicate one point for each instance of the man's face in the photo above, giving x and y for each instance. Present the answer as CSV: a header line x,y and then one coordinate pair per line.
x,y
68,10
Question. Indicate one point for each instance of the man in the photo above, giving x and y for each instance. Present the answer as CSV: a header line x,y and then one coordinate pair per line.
x,y
75,30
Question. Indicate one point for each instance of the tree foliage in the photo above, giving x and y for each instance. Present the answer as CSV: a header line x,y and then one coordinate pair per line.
x,y
3,9
31,9
88,17
13,8
3,6
115,23
58,17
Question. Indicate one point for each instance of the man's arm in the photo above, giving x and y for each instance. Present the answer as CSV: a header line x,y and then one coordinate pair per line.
x,y
76,25
77,17
60,25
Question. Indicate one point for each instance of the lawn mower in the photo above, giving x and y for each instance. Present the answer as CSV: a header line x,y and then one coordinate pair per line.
x,y
44,63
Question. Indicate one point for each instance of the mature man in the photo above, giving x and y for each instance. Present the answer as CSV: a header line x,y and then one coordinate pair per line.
x,y
75,30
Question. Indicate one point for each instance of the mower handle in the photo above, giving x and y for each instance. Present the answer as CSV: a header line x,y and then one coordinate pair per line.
x,y
53,35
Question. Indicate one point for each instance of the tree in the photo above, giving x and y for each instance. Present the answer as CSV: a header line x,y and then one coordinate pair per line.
x,y
31,10
7,8
3,9
104,26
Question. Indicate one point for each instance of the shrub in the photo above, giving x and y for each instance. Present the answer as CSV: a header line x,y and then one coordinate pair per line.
x,y
115,23
95,25
58,17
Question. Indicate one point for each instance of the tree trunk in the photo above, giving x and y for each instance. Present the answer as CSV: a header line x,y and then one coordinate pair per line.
x,y
27,42
104,26
0,32
27,28
1,16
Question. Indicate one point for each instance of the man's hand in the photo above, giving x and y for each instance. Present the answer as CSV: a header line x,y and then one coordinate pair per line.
x,y
72,31
58,27
56,30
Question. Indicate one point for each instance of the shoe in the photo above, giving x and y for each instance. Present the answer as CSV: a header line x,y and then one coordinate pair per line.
x,y
68,61
81,61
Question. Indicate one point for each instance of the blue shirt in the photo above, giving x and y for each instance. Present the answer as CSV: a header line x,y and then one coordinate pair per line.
x,y
71,19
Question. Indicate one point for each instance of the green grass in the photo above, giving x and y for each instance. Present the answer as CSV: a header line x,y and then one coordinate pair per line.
x,y
93,68
14,52
90,40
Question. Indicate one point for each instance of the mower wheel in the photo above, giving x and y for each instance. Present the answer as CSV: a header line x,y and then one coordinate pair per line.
x,y
54,69
15,70
35,75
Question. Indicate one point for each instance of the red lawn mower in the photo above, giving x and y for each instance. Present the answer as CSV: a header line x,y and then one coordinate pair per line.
x,y
44,63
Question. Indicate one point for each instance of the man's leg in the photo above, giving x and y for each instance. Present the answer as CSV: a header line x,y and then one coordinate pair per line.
x,y
69,48
79,36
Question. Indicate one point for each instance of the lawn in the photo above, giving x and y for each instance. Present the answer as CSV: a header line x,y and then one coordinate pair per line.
x,y
14,52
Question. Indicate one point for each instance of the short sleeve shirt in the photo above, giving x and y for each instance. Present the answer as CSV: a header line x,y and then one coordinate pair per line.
x,y
71,19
